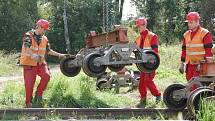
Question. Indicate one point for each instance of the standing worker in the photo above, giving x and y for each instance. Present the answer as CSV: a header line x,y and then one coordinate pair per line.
x,y
146,40
196,46
35,46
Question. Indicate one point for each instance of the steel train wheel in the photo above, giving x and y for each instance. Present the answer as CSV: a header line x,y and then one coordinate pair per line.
x,y
152,63
68,69
194,100
89,66
171,101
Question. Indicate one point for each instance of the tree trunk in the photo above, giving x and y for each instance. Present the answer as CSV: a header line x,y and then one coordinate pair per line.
x,y
66,33
121,9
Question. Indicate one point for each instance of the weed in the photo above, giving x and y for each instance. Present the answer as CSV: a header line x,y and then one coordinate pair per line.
x,y
207,111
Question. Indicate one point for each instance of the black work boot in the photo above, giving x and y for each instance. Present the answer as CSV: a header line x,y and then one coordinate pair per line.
x,y
141,104
37,102
28,105
158,99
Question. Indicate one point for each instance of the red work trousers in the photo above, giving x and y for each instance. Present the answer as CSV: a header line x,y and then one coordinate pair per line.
x,y
191,71
30,73
146,81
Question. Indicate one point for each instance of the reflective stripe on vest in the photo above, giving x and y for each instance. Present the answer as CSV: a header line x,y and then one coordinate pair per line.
x,y
196,53
147,48
195,45
147,41
34,48
27,55
30,55
195,50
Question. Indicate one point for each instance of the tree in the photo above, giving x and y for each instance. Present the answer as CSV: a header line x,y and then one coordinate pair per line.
x,y
166,17
174,25
151,10
83,16
16,17
118,10
208,13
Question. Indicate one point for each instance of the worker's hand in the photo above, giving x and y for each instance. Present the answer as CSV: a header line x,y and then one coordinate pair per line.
x,y
198,67
209,59
62,56
182,68
37,58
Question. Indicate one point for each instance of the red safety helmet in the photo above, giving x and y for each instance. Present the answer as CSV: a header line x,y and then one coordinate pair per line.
x,y
191,16
43,23
140,21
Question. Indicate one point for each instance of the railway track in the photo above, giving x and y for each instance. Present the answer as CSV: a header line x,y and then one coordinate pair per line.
x,y
98,113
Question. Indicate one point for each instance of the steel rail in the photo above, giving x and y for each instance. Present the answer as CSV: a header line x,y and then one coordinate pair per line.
x,y
96,113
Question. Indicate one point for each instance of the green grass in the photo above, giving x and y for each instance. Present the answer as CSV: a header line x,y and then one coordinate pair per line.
x,y
23,117
8,64
207,111
66,92
80,91
12,95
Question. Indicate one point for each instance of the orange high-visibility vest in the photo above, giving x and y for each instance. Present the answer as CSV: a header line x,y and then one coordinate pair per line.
x,y
26,56
195,50
146,42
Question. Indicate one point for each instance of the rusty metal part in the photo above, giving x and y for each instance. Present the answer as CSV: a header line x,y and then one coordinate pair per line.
x,y
115,36
94,113
207,69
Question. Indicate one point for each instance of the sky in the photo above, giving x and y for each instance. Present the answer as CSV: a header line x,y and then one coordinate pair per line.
x,y
128,10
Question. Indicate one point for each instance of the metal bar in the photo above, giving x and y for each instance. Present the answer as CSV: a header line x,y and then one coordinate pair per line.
x,y
90,113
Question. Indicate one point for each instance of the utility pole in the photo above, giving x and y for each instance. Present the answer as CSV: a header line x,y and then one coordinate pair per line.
x,y
66,33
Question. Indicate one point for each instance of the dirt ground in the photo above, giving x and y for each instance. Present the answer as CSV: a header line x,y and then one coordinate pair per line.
x,y
19,78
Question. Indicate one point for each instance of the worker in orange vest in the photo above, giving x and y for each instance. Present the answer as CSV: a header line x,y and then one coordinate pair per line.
x,y
34,48
197,45
146,40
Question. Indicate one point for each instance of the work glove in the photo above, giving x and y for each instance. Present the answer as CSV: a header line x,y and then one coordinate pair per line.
x,y
198,67
182,68
63,56
37,58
